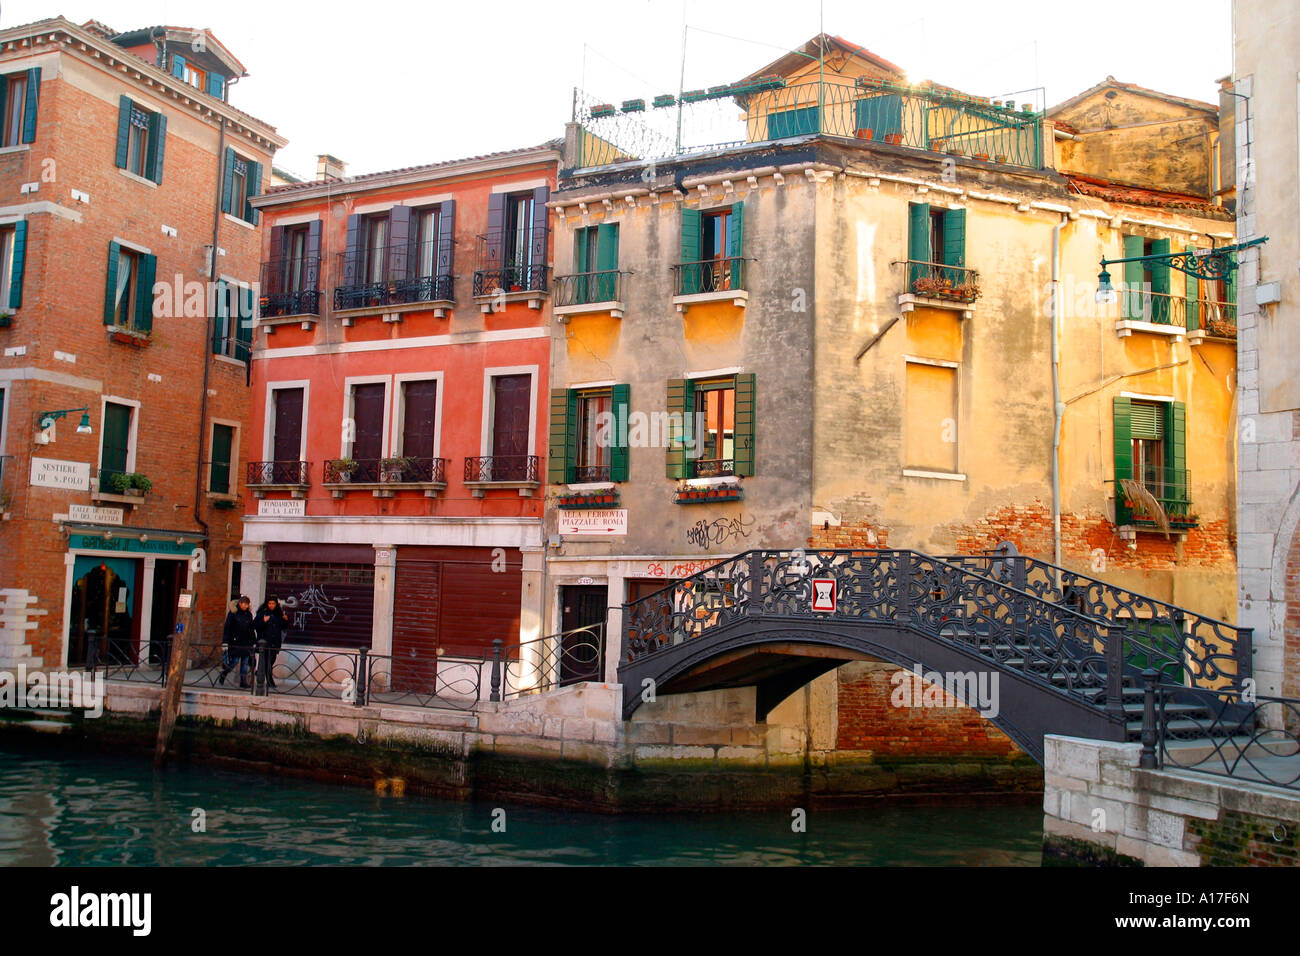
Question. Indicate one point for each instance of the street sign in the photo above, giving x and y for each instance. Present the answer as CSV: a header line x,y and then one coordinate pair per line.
x,y
597,521
823,594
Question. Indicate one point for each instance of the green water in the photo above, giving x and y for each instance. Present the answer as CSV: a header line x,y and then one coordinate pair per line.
x,y
59,810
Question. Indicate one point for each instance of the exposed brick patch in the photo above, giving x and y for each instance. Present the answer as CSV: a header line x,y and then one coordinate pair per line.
x,y
860,527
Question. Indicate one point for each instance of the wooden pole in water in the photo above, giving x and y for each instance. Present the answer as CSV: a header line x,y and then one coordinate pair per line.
x,y
175,678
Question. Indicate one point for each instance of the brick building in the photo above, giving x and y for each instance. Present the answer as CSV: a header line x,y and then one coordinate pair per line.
x,y
123,376
398,416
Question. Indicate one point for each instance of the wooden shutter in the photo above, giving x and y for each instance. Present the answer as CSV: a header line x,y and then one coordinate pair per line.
x,y
1123,417
219,474
368,413
881,114
117,441
1160,283
562,452
1147,420
736,243
244,324
286,440
1192,297
446,237
621,405
352,251
582,284
691,226
681,404
153,163
30,102
252,187
19,264
178,65
399,243
419,417
743,446
277,273
220,318
114,250
1176,449
311,268
1133,276
144,278
606,262
227,181
123,131
954,239
918,240
216,85
540,231
496,230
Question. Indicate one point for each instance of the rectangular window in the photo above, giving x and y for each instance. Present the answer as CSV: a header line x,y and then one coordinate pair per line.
x,y
419,418
712,250
296,245
725,410
141,140
368,400
232,325
137,145
286,425
595,264
15,97
374,249
427,228
115,447
6,265
241,181
223,451
931,422
125,288
518,235
194,76
716,402
593,452
1150,460
588,439
936,251
129,288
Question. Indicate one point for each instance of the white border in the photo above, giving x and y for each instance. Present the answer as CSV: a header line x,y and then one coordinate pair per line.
x,y
1147,398
132,434
234,456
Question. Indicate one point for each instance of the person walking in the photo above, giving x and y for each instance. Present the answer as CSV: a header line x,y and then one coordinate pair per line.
x,y
271,624
239,637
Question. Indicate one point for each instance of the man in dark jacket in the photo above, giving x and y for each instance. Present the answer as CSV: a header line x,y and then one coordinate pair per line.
x,y
271,624
239,637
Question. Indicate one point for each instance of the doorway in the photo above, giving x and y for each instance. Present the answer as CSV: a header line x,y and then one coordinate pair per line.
x,y
584,605
169,579
103,610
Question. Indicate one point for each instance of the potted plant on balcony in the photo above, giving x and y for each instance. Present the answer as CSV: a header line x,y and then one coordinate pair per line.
x,y
343,469
6,319
865,133
894,139
393,469
125,483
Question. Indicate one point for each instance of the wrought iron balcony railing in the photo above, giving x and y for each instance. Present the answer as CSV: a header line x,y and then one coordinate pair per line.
x,y
263,473
290,287
584,288
710,275
712,467
588,473
936,280
1139,304
394,275
501,266
397,470
1168,486
488,468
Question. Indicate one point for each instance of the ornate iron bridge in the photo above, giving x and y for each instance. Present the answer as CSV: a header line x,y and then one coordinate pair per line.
x,y
1069,650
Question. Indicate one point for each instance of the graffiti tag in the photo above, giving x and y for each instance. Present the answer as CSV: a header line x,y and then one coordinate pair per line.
x,y
705,534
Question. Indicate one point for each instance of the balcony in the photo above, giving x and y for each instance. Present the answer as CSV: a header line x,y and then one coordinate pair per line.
x,y
385,476
710,280
486,472
936,285
500,277
590,292
1157,500
395,279
1175,315
290,289
291,476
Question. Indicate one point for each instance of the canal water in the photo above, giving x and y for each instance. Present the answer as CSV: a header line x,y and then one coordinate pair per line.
x,y
62,810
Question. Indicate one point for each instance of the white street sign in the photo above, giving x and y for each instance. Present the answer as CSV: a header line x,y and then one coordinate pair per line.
x,y
604,522
68,475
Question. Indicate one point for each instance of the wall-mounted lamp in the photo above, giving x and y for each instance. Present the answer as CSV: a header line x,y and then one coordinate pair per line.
x,y
47,419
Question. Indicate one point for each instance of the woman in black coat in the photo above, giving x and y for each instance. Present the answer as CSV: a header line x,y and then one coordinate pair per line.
x,y
271,624
239,636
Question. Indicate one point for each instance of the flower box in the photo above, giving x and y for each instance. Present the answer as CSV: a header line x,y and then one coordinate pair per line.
x,y
603,109
894,139
139,339
664,99
633,106
864,133
715,493
589,499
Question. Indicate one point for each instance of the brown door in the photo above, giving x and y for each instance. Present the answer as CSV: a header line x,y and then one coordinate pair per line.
x,y
510,394
287,440
420,404
368,414
582,654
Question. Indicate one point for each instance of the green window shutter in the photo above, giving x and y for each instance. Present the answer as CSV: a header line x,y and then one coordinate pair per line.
x,y
691,226
1230,283
123,130
606,262
1160,283
954,239
882,115
621,404
736,243
581,251
116,446
30,102
252,189
1133,272
110,296
227,181
918,239
220,319
144,293
1123,455
743,446
244,324
679,404
1146,420
19,265
178,65
1193,296
157,143
219,477
216,85
1176,449
557,468
796,122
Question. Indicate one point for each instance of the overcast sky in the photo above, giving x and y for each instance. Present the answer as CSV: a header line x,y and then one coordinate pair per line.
x,y
384,83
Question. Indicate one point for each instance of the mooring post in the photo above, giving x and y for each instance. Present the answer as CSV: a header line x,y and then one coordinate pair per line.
x,y
1148,759
495,693
175,678
361,683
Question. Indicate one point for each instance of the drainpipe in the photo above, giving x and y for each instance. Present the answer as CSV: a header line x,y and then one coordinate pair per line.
x,y
1058,407
207,359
